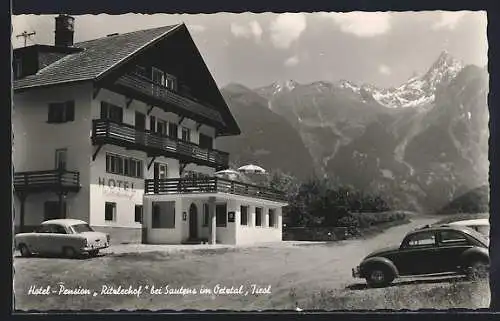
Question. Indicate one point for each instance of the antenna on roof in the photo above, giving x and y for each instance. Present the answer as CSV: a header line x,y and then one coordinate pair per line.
x,y
26,35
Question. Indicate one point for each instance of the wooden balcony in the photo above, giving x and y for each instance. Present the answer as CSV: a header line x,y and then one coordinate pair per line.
x,y
59,181
174,186
147,90
124,135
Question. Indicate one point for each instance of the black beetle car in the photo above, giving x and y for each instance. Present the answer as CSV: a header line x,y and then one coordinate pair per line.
x,y
427,251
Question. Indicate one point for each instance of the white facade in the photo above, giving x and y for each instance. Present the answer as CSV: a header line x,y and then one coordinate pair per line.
x,y
35,144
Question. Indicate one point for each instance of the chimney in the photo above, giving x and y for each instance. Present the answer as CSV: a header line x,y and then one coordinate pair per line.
x,y
64,31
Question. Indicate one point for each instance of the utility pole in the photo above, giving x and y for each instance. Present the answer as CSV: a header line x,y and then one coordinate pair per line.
x,y
26,35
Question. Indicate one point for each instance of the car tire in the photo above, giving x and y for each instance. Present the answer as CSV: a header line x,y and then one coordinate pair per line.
x,y
25,251
379,276
93,253
478,270
69,252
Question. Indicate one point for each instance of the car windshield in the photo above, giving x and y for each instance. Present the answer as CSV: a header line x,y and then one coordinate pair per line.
x,y
80,228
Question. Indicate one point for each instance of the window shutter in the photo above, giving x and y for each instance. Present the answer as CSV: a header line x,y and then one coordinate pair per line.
x,y
70,111
104,110
52,113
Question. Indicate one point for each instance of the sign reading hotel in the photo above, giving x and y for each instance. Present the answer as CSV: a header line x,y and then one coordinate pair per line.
x,y
117,187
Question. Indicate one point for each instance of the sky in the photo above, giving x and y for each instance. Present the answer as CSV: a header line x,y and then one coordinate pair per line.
x,y
378,48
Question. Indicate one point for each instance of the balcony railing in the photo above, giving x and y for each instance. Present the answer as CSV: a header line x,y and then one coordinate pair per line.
x,y
109,132
210,185
49,180
147,87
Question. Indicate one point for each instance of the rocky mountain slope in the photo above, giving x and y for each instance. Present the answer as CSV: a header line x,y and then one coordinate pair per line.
x,y
421,144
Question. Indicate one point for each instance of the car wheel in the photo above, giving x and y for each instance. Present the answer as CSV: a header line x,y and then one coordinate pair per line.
x,y
25,251
69,252
379,276
93,253
478,270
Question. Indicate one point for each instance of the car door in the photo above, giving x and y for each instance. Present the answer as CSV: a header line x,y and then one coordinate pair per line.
x,y
451,245
58,239
33,239
43,240
416,254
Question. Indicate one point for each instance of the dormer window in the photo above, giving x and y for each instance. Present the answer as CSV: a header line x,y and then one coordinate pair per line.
x,y
161,78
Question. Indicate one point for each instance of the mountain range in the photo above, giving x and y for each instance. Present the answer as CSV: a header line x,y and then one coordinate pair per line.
x,y
421,144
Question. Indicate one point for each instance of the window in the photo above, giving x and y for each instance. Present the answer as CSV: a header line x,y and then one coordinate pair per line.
x,y
186,134
110,211
244,215
152,124
160,171
138,214
448,237
161,127
44,228
173,130
421,239
258,216
111,112
61,158
206,142
127,166
206,215
221,215
61,112
170,82
163,215
157,76
272,218
52,210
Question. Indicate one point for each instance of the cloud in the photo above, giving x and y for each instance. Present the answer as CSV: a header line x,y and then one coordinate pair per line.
x,y
197,28
287,28
448,20
361,24
252,29
385,70
292,61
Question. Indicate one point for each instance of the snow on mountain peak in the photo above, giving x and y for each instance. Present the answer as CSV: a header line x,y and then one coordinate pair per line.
x,y
288,85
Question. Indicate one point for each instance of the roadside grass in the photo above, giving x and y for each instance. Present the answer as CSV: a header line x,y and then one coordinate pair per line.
x,y
371,224
462,217
446,295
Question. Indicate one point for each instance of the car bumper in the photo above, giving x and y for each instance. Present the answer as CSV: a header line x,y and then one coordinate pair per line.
x,y
95,247
356,273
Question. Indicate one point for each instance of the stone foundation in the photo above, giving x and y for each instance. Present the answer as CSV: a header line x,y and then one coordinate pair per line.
x,y
121,235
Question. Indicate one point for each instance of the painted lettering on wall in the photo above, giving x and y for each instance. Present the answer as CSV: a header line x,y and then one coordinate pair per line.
x,y
117,187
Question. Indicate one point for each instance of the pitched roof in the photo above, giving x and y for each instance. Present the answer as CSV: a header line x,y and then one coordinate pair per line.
x,y
97,57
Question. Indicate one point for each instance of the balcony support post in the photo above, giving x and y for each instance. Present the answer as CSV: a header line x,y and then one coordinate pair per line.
x,y
98,149
95,92
213,220
182,167
151,162
128,101
180,121
150,109
198,125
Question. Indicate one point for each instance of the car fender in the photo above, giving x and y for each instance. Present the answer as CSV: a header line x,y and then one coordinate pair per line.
x,y
473,254
378,260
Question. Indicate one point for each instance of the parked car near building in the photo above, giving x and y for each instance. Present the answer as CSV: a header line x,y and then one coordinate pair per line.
x,y
68,237
480,225
428,251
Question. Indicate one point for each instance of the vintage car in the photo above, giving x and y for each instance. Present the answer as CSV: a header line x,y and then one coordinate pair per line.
x,y
481,225
68,237
428,251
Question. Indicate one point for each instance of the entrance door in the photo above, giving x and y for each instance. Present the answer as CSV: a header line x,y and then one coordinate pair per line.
x,y
160,171
158,78
193,222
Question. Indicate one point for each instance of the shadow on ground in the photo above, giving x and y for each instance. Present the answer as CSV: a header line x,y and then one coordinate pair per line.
x,y
454,279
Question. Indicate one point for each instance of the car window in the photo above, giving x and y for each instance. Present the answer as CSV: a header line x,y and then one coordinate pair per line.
x,y
45,228
58,229
483,229
452,237
423,239
80,228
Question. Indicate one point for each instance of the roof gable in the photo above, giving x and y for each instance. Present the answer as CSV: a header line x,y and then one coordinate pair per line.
x,y
98,57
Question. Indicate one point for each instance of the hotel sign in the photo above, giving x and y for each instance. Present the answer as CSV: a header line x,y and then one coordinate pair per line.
x,y
117,187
